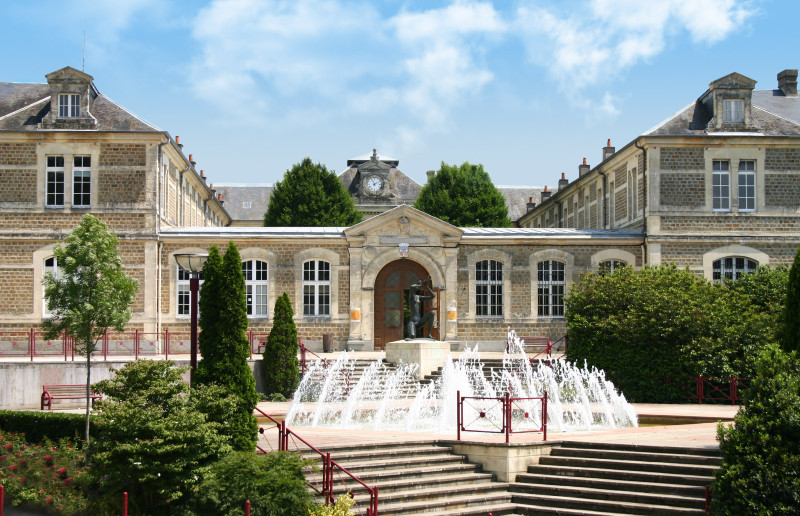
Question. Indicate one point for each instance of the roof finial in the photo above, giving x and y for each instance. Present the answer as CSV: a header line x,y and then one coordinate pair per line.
x,y
374,156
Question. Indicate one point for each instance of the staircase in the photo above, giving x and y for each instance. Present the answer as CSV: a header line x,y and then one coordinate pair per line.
x,y
420,478
587,478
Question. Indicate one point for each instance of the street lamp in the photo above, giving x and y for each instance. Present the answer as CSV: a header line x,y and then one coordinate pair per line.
x,y
193,264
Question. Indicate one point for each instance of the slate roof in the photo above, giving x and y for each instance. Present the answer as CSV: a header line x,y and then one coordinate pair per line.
x,y
773,112
517,198
23,106
235,197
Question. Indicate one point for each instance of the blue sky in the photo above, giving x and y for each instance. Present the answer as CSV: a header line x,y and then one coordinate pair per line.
x,y
526,88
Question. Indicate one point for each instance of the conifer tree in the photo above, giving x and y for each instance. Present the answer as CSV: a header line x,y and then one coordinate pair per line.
x,y
310,195
281,369
791,314
223,341
464,196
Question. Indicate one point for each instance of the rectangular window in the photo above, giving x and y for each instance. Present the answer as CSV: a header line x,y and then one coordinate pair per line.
x,y
721,186
489,288
55,181
551,286
82,182
184,294
747,185
69,106
256,273
733,111
316,288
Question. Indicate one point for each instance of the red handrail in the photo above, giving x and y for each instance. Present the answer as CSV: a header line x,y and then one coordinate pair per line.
x,y
505,426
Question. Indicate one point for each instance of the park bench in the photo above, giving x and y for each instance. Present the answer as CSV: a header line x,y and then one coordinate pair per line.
x,y
540,345
65,392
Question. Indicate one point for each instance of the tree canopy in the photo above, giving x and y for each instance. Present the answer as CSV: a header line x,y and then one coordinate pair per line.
x,y
310,195
223,341
791,316
464,196
91,293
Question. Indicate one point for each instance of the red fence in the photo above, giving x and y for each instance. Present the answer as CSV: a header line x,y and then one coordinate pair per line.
x,y
32,343
498,415
702,388
331,474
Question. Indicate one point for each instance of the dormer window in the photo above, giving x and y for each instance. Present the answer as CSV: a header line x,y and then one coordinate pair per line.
x,y
733,111
69,106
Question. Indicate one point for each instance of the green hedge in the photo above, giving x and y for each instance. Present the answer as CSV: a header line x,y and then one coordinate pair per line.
x,y
38,425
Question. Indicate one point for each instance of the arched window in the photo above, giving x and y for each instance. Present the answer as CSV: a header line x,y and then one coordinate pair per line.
x,y
51,267
731,267
609,266
489,288
256,287
316,288
551,285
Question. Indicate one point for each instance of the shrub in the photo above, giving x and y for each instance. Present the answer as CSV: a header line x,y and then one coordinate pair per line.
x,y
274,483
760,472
791,319
281,367
38,425
342,507
277,397
49,476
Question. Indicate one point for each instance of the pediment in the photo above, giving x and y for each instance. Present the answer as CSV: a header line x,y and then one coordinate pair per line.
x,y
403,224
69,74
374,165
733,81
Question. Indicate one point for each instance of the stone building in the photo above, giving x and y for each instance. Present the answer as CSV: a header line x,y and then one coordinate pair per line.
x,y
66,150
715,187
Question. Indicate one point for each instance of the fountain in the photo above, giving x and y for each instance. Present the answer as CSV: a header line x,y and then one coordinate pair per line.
x,y
579,399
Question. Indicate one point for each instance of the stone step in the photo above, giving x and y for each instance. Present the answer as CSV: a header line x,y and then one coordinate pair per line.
x,y
341,455
639,456
463,501
467,478
614,507
629,465
620,474
613,484
609,494
380,476
497,509
709,452
362,467
437,492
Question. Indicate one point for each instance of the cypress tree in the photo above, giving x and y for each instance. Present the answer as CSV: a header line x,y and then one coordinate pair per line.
x,y
281,369
223,341
791,313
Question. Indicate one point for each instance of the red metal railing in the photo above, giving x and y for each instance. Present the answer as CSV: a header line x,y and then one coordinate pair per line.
x,y
702,388
498,415
332,472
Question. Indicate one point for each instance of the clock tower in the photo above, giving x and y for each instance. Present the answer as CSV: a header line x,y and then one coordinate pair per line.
x,y
373,179
376,185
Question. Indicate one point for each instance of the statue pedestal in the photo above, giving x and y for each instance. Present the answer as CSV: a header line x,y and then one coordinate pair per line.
x,y
428,354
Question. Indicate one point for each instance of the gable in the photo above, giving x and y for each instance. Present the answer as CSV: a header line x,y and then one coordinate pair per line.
x,y
403,224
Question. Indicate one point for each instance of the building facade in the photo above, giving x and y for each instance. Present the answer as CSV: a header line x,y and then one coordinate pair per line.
x,y
66,150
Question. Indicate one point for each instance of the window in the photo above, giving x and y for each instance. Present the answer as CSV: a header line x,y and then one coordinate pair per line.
x,y
489,288
184,295
747,185
81,181
55,181
255,287
721,186
732,111
609,266
632,190
732,267
551,285
316,288
50,267
69,106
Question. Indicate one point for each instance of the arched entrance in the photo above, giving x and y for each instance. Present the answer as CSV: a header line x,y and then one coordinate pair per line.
x,y
391,293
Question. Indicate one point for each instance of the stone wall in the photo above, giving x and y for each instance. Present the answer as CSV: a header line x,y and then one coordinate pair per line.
x,y
126,186
782,159
682,158
18,153
59,220
730,222
683,189
18,185
17,295
123,155
781,191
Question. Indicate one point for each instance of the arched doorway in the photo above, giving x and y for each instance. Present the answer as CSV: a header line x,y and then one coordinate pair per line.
x,y
391,292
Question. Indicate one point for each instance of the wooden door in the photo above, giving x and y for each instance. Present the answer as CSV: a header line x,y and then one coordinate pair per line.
x,y
391,294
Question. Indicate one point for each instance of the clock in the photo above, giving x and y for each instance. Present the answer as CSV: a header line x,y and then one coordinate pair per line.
x,y
374,184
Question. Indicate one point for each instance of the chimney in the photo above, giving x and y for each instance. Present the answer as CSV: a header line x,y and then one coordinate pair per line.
x,y
211,187
178,142
787,82
203,175
431,173
608,150
582,169
531,205
546,193
192,161
563,182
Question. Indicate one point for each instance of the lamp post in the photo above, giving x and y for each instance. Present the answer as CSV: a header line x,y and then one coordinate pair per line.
x,y
193,264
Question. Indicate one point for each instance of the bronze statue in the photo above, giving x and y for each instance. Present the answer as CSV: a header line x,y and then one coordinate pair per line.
x,y
416,299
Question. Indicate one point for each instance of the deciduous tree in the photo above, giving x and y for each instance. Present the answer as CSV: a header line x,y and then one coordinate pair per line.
x,y
791,314
90,294
310,195
464,196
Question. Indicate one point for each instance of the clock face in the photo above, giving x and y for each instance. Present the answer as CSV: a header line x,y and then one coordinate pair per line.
x,y
374,184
